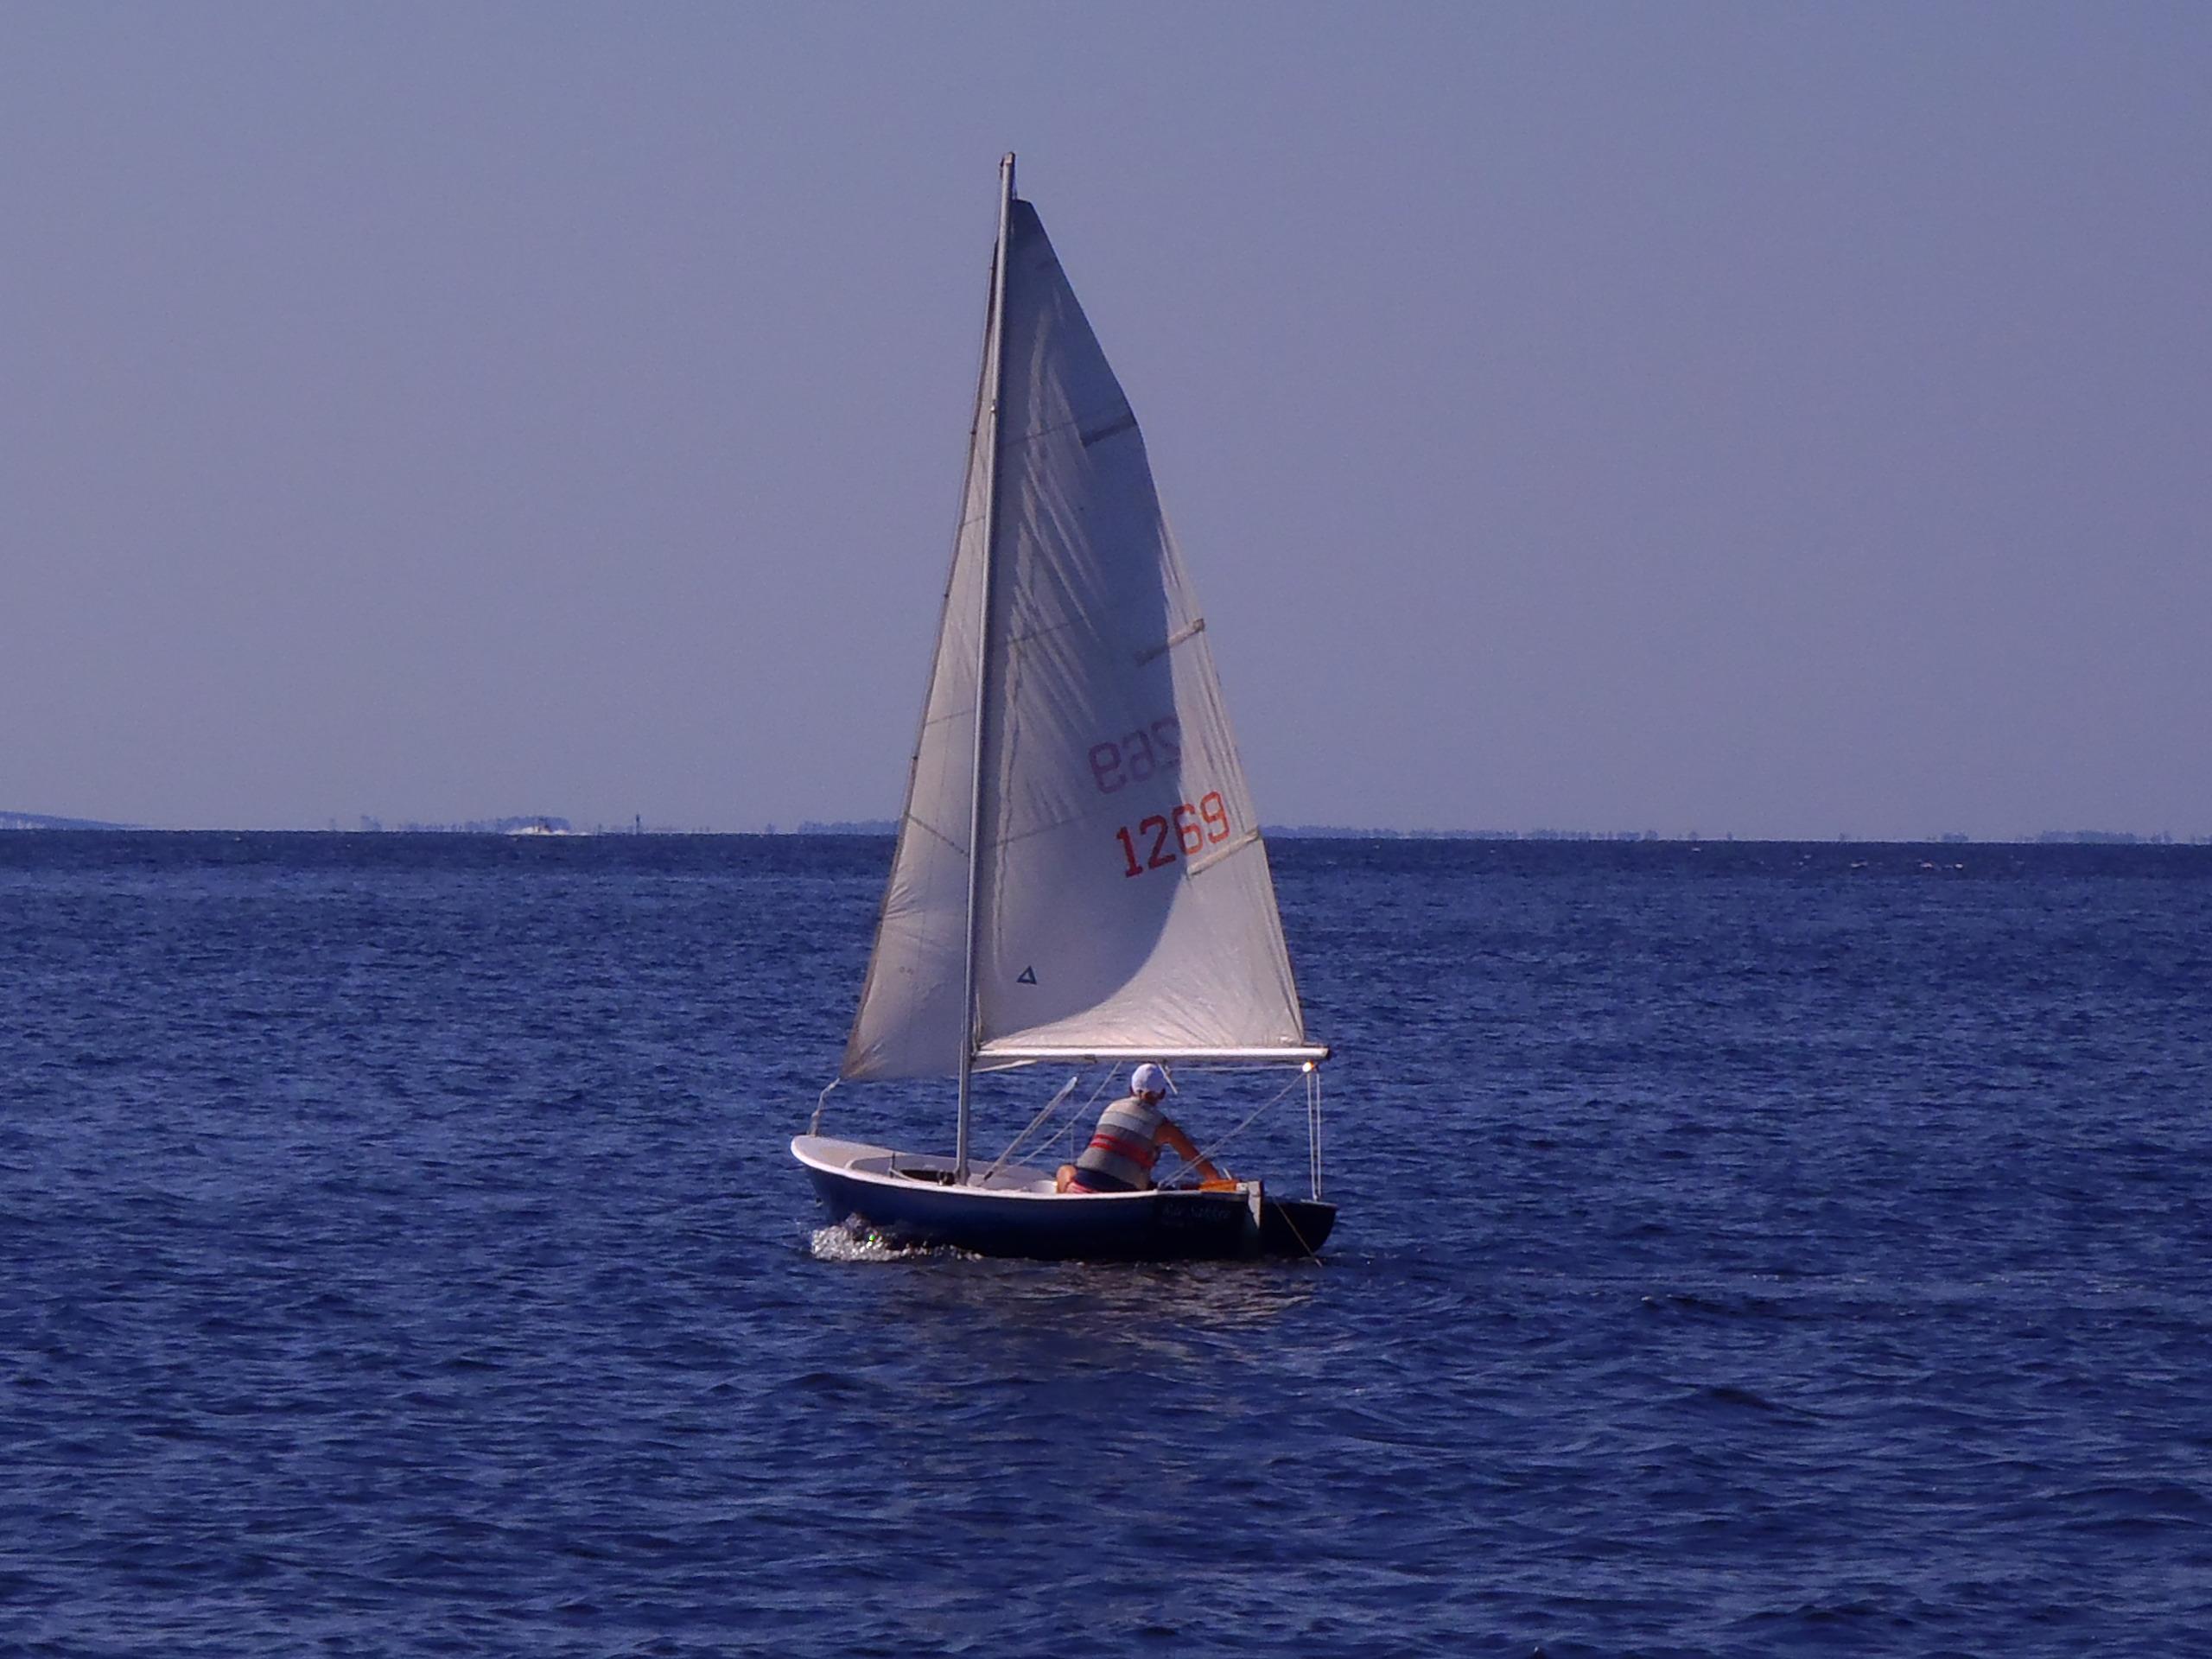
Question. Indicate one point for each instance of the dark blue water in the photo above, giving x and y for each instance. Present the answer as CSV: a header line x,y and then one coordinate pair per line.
x,y
1745,1251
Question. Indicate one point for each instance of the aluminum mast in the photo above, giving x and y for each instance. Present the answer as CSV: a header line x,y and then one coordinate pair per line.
x,y
996,348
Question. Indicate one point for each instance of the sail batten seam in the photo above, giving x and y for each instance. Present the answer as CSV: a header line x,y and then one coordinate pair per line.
x,y
1170,642
1099,435
929,829
1125,420
1198,867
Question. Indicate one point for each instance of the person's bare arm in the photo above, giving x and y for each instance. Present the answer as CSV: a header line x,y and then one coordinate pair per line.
x,y
1172,1134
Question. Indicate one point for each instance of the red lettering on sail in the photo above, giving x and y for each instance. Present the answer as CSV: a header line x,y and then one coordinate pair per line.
x,y
1133,757
1185,831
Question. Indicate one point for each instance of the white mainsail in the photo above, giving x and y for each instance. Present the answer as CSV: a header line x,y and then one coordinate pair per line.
x,y
1123,906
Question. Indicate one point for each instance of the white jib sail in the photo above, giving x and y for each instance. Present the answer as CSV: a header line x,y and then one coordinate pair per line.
x,y
1125,905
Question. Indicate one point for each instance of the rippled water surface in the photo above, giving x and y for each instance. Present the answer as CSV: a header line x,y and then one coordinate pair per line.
x,y
1745,1251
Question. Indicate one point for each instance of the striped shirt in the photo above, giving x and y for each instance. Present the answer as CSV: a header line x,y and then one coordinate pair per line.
x,y
1122,1151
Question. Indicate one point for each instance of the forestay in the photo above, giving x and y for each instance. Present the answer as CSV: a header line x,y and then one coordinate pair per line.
x,y
1123,901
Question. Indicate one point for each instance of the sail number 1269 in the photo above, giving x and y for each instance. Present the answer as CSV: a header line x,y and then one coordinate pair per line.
x,y
1187,830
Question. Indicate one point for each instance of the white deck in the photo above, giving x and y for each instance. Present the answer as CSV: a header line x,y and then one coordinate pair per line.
x,y
858,1157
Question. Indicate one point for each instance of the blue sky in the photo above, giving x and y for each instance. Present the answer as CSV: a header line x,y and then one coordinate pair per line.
x,y
1782,420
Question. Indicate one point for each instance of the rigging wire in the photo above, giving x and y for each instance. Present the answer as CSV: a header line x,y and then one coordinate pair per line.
x,y
1043,1112
1073,1122
1206,1155
1313,1130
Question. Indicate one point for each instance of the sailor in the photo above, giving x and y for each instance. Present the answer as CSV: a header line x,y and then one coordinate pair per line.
x,y
1130,1135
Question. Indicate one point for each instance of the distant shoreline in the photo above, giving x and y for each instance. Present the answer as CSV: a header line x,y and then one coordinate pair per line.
x,y
536,824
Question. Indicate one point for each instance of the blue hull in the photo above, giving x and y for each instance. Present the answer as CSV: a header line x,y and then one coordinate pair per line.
x,y
911,1207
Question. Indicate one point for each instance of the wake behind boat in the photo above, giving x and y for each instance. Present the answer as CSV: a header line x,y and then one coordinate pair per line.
x,y
1079,876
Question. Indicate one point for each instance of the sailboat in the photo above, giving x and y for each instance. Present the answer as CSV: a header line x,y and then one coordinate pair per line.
x,y
1079,876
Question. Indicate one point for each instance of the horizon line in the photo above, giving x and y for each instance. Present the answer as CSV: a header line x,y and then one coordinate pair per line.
x,y
536,824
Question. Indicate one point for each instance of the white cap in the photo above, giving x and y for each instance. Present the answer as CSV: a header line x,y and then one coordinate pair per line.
x,y
1147,1079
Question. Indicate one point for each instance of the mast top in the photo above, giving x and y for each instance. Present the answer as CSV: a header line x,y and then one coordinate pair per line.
x,y
1006,174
